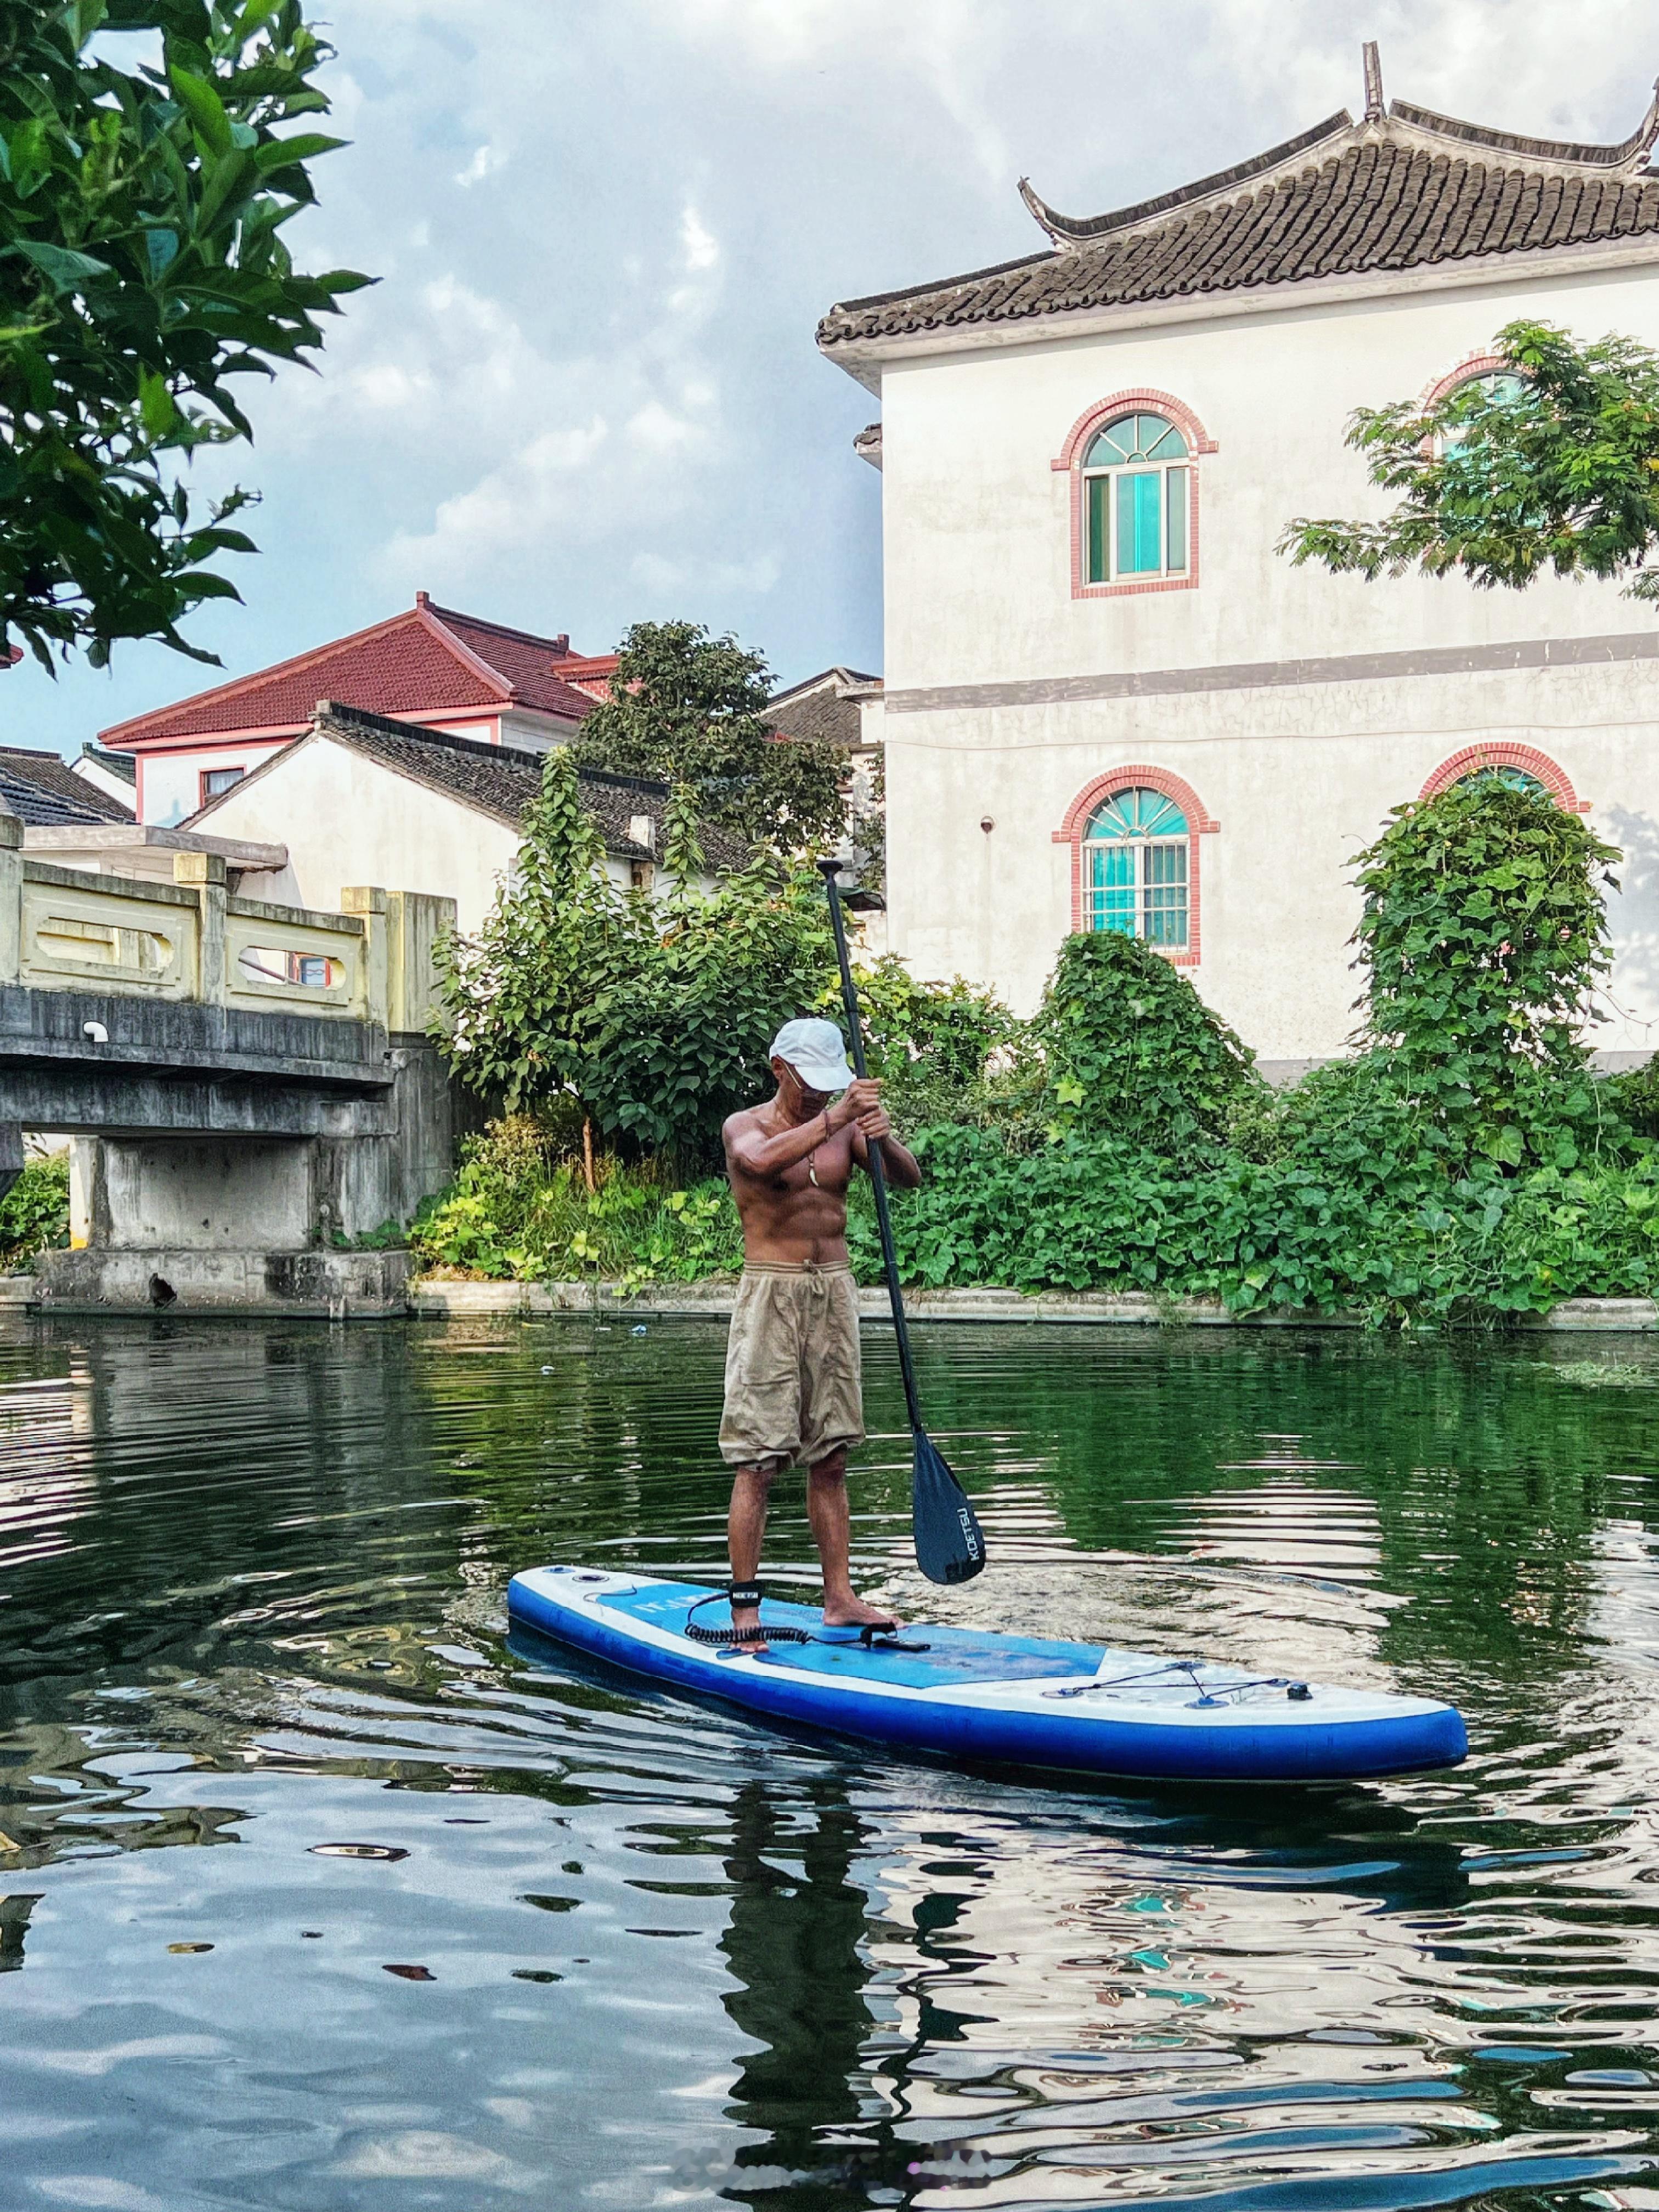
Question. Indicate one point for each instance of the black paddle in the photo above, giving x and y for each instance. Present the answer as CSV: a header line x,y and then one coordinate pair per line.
x,y
949,1544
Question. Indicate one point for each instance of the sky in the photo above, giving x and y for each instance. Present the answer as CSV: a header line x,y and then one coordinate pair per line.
x,y
584,391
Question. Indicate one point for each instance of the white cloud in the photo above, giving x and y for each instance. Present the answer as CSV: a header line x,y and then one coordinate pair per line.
x,y
484,163
701,248
664,580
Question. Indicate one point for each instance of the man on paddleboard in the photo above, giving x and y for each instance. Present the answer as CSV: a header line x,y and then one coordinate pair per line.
x,y
793,1382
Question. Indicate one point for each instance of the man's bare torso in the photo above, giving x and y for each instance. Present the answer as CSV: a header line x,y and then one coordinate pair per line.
x,y
789,1218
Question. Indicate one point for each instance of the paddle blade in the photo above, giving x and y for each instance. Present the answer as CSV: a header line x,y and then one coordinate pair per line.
x,y
949,1543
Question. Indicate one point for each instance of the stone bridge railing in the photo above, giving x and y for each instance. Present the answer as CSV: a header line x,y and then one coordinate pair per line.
x,y
63,929
251,1091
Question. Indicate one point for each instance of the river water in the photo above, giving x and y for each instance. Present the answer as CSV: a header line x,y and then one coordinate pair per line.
x,y
316,1893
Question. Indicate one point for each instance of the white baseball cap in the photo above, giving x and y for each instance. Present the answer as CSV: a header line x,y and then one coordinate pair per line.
x,y
817,1051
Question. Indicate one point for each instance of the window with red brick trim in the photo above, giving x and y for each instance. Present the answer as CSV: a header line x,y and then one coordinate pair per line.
x,y
1135,836
1496,757
1131,461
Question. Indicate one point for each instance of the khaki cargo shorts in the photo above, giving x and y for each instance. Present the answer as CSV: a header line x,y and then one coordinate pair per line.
x,y
793,1378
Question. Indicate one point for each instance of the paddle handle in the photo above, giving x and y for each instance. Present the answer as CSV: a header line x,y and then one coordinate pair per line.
x,y
849,999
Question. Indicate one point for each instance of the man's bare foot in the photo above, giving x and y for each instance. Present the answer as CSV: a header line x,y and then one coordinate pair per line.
x,y
854,1613
748,1617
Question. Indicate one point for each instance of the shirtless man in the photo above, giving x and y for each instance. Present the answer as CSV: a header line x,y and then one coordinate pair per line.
x,y
794,1387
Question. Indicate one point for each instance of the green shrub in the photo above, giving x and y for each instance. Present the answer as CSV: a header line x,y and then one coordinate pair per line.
x,y
1484,940
1634,1097
34,1213
1465,1162
1394,1238
519,1211
1130,1047
656,1017
931,1044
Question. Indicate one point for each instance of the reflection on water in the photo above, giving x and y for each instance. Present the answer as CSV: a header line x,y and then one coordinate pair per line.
x,y
463,1922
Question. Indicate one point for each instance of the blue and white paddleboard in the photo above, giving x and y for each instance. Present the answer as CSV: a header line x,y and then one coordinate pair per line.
x,y
975,1695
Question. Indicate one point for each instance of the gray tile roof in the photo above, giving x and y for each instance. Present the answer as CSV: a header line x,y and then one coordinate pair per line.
x,y
40,788
497,779
1397,190
118,764
823,707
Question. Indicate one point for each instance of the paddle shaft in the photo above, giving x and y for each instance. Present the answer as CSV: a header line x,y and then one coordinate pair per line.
x,y
878,1177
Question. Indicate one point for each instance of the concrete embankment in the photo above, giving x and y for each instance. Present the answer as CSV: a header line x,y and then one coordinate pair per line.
x,y
446,1301
382,1294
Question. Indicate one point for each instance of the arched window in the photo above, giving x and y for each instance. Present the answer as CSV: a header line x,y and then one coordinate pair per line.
x,y
1523,768
1135,496
1134,864
1487,391
1512,778
1135,834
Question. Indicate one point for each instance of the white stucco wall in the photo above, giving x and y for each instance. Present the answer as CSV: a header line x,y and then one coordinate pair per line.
x,y
346,820
977,540
170,784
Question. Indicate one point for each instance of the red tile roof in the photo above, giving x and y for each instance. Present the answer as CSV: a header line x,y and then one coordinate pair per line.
x,y
428,661
591,672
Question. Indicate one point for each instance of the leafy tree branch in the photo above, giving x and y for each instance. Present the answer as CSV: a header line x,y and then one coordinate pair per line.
x,y
142,268
1554,466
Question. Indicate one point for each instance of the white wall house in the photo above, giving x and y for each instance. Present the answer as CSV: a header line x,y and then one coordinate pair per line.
x,y
1109,701
364,798
430,666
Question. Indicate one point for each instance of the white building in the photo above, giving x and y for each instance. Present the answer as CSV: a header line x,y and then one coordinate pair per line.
x,y
430,666
366,798
1109,701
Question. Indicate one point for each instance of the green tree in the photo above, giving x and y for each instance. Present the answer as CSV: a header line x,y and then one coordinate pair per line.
x,y
1484,940
142,269
654,1019
689,708
1554,466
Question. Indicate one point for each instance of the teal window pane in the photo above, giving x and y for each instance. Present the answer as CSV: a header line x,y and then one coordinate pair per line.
x,y
1112,888
1175,503
1136,438
1113,445
1097,490
1137,812
1139,536
1163,895
1135,853
1512,778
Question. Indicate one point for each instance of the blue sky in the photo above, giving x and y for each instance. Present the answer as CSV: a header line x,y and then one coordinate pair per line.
x,y
586,390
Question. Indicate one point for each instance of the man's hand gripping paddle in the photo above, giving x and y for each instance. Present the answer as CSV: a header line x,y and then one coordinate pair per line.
x,y
949,1544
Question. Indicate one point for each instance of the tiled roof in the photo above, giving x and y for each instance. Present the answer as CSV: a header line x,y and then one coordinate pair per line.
x,y
499,780
427,660
530,664
1400,190
38,787
118,764
591,672
823,707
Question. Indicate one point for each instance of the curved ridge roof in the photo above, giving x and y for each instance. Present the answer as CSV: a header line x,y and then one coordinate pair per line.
x,y
1400,188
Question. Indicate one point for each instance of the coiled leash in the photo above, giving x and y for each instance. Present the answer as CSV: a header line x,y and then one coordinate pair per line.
x,y
873,1637
739,1594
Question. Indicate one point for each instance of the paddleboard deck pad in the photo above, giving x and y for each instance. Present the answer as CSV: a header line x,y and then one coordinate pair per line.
x,y
978,1696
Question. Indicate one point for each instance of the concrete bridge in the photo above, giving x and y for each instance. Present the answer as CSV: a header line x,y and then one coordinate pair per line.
x,y
251,1089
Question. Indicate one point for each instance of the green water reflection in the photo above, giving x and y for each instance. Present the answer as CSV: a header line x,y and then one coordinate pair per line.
x,y
598,1947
